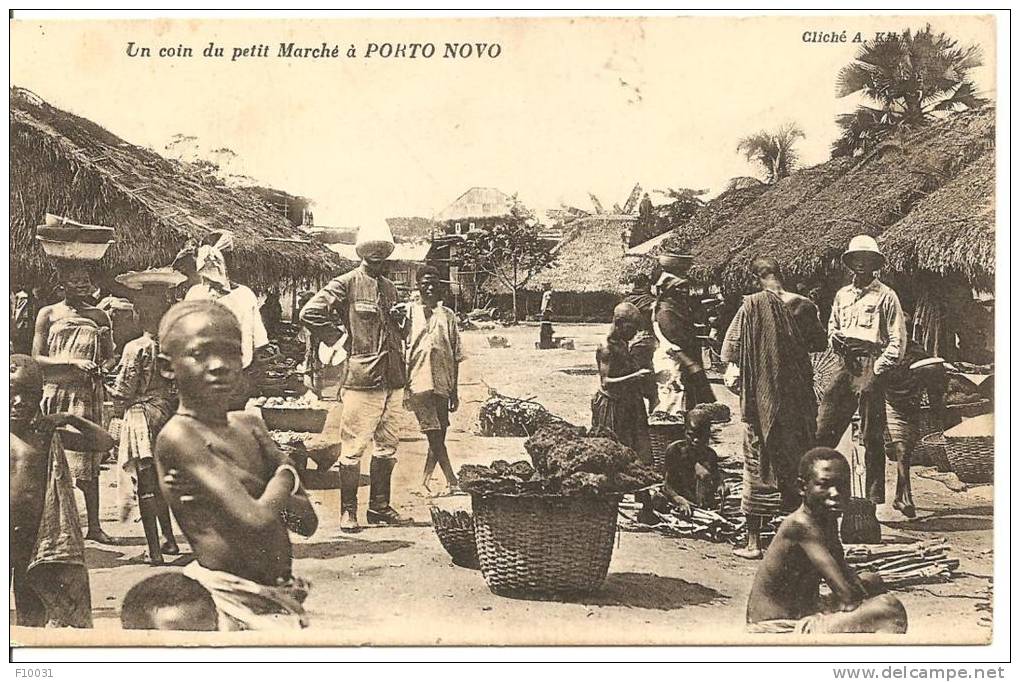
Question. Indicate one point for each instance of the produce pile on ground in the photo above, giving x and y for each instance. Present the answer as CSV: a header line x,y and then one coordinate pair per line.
x,y
304,402
565,460
504,416
663,417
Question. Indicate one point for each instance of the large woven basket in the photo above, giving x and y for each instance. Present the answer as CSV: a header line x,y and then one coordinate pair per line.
x,y
932,452
544,544
971,456
456,533
661,435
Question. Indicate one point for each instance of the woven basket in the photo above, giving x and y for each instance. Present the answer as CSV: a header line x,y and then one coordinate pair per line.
x,y
931,451
456,534
971,458
660,436
859,525
544,544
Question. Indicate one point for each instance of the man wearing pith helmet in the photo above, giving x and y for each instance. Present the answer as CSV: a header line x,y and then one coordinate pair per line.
x,y
362,304
867,330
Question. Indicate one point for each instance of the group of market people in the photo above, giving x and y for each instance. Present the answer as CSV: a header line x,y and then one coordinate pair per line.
x,y
791,468
236,496
186,444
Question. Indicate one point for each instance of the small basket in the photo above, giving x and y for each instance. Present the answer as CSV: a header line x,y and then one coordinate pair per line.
x,y
661,435
85,235
306,419
859,525
544,544
456,532
74,250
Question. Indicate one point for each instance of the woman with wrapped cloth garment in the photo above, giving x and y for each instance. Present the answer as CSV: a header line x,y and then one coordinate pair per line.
x,y
73,344
768,341
678,344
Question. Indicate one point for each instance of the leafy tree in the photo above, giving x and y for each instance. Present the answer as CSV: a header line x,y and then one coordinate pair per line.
x,y
511,251
773,150
909,78
653,221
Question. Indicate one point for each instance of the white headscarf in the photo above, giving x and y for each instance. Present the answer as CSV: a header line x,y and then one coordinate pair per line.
x,y
209,262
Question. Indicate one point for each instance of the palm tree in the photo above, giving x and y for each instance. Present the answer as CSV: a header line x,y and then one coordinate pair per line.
x,y
910,78
773,150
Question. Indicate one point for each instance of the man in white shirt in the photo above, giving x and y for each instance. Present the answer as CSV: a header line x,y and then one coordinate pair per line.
x,y
868,331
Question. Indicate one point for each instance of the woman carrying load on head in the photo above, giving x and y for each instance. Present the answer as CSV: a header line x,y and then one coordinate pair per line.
x,y
73,344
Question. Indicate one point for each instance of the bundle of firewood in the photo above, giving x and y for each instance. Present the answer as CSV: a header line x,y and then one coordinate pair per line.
x,y
905,564
702,524
502,415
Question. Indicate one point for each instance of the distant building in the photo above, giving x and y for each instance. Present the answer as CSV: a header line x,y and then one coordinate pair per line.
x,y
473,209
296,209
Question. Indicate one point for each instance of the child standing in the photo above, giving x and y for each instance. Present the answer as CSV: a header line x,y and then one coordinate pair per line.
x,y
235,495
146,400
47,560
434,356
619,403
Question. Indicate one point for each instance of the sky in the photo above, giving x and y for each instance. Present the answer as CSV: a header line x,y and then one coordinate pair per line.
x,y
569,107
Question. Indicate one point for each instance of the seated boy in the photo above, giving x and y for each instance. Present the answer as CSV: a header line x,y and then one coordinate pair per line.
x,y
807,550
47,559
168,601
233,493
692,467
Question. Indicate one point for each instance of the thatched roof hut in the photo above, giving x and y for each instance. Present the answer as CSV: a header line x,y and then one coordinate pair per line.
x,y
951,231
585,278
588,258
766,211
878,191
62,163
706,220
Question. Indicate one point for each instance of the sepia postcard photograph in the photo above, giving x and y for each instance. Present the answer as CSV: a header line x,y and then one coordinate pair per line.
x,y
504,330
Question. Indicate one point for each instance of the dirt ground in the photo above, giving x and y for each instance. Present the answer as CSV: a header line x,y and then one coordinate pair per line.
x,y
398,586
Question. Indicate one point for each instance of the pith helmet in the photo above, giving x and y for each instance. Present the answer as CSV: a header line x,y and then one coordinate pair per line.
x,y
374,240
862,245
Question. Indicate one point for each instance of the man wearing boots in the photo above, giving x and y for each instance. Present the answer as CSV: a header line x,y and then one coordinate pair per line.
x,y
868,332
363,303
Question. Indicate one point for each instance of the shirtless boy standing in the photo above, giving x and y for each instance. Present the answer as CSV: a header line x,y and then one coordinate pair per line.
x,y
47,560
235,495
807,550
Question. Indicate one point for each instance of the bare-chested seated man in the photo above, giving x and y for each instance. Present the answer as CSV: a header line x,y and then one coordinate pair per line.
x,y
807,550
235,495
47,560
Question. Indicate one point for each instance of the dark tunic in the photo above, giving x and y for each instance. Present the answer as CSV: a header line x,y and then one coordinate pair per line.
x,y
620,407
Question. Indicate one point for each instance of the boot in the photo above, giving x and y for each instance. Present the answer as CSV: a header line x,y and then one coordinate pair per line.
x,y
350,477
379,509
147,491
